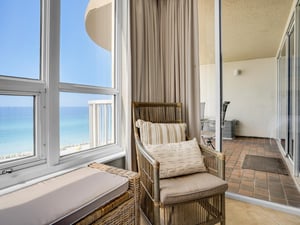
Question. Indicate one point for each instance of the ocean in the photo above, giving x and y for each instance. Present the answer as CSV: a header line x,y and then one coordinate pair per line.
x,y
17,128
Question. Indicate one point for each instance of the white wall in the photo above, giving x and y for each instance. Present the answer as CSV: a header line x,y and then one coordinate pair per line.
x,y
252,95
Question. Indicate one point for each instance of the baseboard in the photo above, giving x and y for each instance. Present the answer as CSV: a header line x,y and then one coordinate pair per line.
x,y
267,204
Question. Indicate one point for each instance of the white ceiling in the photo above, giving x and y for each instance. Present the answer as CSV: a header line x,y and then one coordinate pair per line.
x,y
250,28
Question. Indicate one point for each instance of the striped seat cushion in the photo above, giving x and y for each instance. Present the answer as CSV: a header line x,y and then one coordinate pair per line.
x,y
161,133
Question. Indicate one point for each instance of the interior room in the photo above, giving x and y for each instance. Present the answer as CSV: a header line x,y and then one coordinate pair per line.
x,y
253,84
149,112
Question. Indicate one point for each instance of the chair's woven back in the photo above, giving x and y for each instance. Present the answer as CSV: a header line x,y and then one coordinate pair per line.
x,y
157,112
149,168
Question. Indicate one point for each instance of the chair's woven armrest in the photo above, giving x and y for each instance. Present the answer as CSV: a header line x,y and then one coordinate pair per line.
x,y
150,183
214,161
149,170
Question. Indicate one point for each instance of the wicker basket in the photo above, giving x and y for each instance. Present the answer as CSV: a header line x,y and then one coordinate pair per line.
x,y
123,210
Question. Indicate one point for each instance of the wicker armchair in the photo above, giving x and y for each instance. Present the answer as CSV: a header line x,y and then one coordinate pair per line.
x,y
209,205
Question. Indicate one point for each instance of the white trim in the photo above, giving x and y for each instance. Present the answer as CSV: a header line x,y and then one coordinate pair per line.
x,y
52,102
104,154
88,89
123,70
219,73
12,84
27,183
267,204
297,93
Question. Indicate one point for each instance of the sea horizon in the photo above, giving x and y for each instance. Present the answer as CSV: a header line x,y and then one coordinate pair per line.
x,y
17,131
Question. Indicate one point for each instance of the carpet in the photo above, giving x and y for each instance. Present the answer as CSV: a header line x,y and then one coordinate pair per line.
x,y
265,164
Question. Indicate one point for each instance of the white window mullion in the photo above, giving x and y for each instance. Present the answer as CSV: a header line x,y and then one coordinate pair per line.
x,y
219,75
297,95
88,89
52,32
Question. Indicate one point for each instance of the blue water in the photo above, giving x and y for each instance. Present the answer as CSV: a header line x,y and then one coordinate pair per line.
x,y
74,126
17,128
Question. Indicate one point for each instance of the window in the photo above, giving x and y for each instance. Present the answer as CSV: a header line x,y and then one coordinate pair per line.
x,y
20,38
86,121
58,92
85,117
21,90
82,61
17,123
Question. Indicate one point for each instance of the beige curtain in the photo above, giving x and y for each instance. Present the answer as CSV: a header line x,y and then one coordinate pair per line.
x,y
147,82
164,55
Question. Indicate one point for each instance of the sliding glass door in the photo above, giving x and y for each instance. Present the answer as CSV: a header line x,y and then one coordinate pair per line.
x,y
288,99
291,94
283,96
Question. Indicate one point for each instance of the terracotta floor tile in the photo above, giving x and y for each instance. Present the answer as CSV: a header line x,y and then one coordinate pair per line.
x,y
262,185
294,203
262,197
278,200
234,180
261,175
245,192
247,188
261,191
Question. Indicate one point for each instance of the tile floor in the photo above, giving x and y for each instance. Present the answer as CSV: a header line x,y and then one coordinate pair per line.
x,y
271,187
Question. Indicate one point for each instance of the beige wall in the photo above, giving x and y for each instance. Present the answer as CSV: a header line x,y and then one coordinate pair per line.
x,y
252,95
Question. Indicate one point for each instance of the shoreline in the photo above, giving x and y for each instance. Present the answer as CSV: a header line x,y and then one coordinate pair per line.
x,y
64,151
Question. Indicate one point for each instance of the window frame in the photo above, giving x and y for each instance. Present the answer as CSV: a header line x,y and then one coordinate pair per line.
x,y
46,91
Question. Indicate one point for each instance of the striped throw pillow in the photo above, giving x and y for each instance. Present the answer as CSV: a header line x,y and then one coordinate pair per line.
x,y
177,159
161,133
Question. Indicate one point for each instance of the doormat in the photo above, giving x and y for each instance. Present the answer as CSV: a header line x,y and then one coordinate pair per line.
x,y
265,164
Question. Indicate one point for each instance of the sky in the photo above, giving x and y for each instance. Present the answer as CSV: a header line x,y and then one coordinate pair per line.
x,y
81,60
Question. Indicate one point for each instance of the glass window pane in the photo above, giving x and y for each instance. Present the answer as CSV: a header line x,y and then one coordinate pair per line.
x,y
82,61
16,127
86,121
20,38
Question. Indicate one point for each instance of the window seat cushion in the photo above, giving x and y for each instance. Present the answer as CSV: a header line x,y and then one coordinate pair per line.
x,y
51,200
190,187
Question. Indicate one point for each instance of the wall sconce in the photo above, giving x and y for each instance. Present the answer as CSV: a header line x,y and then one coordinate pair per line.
x,y
237,72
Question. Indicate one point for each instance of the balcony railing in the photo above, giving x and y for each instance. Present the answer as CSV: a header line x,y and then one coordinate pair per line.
x,y
101,122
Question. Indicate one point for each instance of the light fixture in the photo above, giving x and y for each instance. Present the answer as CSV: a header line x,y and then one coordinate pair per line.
x,y
237,72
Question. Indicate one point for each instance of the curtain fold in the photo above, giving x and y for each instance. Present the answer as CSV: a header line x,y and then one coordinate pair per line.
x,y
165,55
180,58
145,44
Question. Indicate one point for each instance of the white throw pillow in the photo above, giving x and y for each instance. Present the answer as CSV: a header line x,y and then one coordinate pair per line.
x,y
161,133
178,159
